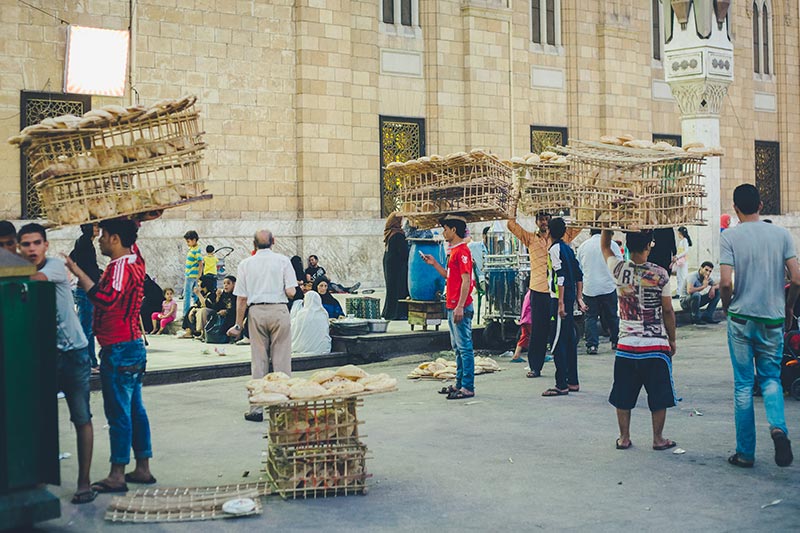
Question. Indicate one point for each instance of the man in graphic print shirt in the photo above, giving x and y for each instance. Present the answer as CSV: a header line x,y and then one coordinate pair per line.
x,y
646,338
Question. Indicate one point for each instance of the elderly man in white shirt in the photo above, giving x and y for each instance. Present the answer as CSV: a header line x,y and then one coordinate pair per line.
x,y
599,290
265,283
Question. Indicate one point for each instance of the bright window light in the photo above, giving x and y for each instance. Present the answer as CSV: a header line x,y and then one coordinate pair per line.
x,y
97,61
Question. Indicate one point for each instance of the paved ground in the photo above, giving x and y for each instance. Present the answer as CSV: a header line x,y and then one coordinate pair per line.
x,y
509,459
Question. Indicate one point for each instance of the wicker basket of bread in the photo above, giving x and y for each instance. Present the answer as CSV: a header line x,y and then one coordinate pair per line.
x,y
476,185
116,161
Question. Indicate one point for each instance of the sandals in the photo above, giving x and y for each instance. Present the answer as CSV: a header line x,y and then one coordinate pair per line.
x,y
533,374
460,395
574,388
448,390
555,392
620,446
130,479
101,487
666,446
83,497
736,460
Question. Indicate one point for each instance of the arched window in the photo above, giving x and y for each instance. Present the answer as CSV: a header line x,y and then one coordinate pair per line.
x,y
756,43
546,22
763,43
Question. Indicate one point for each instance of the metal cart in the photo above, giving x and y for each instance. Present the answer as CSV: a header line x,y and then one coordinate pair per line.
x,y
508,270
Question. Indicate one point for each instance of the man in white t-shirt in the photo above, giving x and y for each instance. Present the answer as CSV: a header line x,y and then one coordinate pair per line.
x,y
265,282
599,291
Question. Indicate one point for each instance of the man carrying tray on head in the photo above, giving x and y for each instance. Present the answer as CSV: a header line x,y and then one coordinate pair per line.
x,y
459,287
538,244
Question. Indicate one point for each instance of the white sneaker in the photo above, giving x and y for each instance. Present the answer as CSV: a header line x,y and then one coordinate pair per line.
x,y
243,342
507,354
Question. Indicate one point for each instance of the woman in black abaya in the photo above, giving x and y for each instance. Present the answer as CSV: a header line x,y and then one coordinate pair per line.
x,y
395,269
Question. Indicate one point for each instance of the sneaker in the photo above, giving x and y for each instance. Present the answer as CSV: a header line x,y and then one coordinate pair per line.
x,y
783,448
509,353
243,342
254,417
591,350
355,287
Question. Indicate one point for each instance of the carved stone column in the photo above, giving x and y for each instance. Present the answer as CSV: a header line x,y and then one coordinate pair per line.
x,y
698,65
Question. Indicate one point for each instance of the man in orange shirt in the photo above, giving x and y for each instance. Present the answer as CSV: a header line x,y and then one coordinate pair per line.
x,y
538,244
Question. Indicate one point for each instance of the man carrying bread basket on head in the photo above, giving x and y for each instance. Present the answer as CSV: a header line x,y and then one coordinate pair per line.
x,y
458,288
265,282
538,244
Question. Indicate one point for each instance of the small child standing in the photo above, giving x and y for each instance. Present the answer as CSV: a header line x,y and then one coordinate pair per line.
x,y
525,329
169,310
209,266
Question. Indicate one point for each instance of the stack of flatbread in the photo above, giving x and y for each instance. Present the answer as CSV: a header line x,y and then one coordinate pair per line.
x,y
629,141
346,381
444,369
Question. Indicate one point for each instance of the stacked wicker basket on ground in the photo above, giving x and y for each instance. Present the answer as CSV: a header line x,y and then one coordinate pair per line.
x,y
116,161
618,187
477,185
314,448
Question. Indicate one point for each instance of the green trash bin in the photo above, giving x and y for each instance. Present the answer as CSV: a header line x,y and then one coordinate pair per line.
x,y
28,404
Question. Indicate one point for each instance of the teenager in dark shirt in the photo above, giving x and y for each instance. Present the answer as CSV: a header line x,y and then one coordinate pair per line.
x,y
85,256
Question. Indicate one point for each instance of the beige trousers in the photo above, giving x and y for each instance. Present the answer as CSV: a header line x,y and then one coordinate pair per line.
x,y
269,327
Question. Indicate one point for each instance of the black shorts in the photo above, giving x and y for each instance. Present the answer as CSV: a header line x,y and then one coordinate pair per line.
x,y
652,372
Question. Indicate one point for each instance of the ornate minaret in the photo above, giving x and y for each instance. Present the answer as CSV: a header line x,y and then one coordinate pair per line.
x,y
698,65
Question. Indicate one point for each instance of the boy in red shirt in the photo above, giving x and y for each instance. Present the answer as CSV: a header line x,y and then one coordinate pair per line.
x,y
459,287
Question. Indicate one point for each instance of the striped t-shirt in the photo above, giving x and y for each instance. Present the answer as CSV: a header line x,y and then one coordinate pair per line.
x,y
193,258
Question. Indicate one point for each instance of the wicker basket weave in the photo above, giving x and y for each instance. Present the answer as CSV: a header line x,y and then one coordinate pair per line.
x,y
156,184
140,161
477,186
615,187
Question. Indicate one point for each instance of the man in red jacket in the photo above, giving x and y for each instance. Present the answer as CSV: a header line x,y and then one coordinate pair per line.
x,y
117,299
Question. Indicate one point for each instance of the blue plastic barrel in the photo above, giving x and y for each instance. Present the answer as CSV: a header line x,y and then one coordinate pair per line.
x,y
424,282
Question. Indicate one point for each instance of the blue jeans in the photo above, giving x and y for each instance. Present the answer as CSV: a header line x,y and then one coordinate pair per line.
x,y
73,373
461,340
747,342
121,369
695,302
86,315
189,297
604,305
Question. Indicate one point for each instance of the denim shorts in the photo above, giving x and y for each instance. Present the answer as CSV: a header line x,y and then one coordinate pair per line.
x,y
73,371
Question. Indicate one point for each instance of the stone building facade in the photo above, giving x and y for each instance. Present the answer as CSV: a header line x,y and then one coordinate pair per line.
x,y
303,101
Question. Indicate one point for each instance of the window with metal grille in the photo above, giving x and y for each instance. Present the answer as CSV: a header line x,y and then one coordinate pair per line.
x,y
768,175
402,139
35,107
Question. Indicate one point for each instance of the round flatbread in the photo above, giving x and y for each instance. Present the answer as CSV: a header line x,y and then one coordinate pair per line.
x,y
383,384
276,376
345,388
268,397
321,376
307,391
351,372
278,387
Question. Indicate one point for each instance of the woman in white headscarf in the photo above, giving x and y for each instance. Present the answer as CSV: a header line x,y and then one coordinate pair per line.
x,y
310,328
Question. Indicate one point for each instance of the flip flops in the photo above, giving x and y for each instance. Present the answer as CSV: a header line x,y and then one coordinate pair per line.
x,y
130,479
621,447
669,444
533,374
101,487
448,390
555,392
83,497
